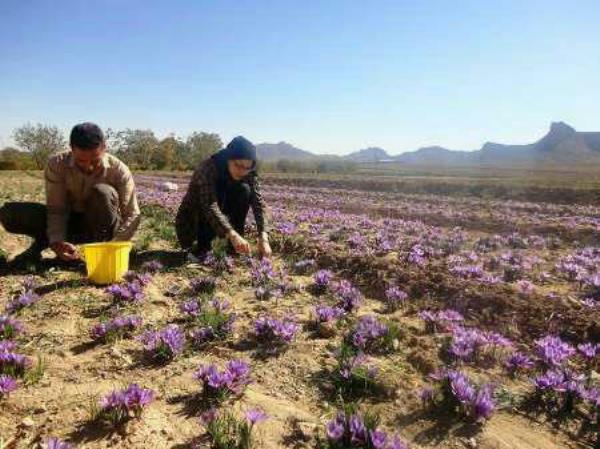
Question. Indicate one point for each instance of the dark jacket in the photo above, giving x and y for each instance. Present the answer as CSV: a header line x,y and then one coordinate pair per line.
x,y
205,198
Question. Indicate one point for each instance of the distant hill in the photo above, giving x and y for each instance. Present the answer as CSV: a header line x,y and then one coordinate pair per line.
x,y
372,154
282,150
562,144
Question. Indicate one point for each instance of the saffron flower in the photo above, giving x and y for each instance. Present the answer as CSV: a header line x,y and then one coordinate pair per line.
x,y
119,327
218,385
121,405
55,443
164,345
9,327
553,351
274,331
7,385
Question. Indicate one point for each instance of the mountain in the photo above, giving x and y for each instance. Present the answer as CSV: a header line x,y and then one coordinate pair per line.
x,y
562,144
371,154
282,150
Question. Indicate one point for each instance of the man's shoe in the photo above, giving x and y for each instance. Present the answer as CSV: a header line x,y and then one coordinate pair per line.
x,y
27,259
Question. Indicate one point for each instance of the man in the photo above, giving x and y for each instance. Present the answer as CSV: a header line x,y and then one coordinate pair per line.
x,y
90,197
221,191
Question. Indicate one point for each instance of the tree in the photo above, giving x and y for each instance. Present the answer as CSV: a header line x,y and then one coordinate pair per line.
x,y
201,145
135,147
41,141
13,159
165,158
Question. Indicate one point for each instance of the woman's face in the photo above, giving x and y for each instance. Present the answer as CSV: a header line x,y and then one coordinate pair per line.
x,y
238,168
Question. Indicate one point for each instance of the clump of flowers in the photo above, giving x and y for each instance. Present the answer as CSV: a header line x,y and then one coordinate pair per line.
x,y
130,292
218,258
228,432
457,393
116,328
354,372
203,285
354,430
322,280
55,443
440,321
23,300
11,363
348,297
479,346
141,278
7,385
518,362
553,351
268,283
220,385
325,317
9,327
304,266
372,336
275,332
120,406
164,345
395,298
559,391
152,266
214,320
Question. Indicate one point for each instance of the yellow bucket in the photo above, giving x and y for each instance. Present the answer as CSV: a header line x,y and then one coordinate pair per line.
x,y
106,262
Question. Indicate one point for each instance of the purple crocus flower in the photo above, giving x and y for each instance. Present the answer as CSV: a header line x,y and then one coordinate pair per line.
x,y
205,284
368,333
348,297
378,439
335,428
25,299
553,351
325,313
9,327
232,380
256,416
395,297
7,385
588,350
358,431
164,344
518,362
322,280
55,443
190,308
152,266
275,331
117,327
119,405
483,404
461,388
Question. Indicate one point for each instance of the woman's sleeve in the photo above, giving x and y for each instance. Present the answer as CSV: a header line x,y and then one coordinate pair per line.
x,y
259,206
202,197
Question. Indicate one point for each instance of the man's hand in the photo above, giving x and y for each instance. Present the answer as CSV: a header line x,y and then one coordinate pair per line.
x,y
264,249
239,243
65,251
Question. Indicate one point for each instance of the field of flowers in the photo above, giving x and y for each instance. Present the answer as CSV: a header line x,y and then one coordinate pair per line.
x,y
385,320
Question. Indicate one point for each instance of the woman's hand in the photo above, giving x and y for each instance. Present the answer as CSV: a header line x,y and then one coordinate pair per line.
x,y
239,243
264,249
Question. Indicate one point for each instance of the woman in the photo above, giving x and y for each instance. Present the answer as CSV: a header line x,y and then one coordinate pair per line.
x,y
222,189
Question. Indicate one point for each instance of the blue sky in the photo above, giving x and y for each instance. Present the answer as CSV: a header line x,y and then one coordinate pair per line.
x,y
328,76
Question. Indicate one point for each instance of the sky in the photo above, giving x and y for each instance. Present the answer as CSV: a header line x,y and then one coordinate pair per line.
x,y
327,76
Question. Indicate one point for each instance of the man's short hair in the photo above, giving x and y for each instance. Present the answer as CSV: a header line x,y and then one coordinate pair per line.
x,y
86,136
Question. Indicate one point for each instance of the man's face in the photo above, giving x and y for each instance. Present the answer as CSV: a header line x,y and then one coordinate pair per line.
x,y
238,168
89,161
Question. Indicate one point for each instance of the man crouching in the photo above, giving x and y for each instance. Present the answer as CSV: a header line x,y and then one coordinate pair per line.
x,y
90,197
